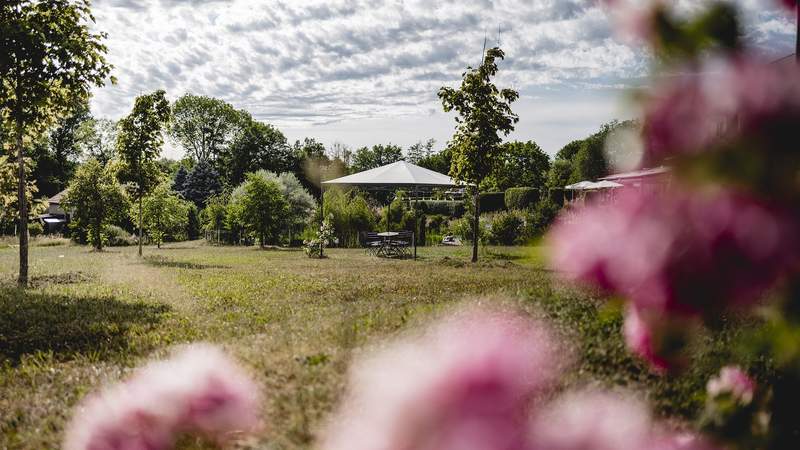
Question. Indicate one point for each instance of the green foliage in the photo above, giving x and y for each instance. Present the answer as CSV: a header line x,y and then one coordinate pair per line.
x,y
419,151
484,112
351,214
519,164
213,215
315,248
449,208
559,174
542,216
164,214
95,200
438,162
506,228
9,200
681,39
115,236
366,158
198,184
492,201
301,204
204,126
139,143
192,223
257,146
521,198
98,138
35,229
568,152
259,207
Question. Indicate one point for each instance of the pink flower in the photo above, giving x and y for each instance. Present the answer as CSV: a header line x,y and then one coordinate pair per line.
x,y
633,20
200,390
732,381
465,384
682,252
723,103
595,420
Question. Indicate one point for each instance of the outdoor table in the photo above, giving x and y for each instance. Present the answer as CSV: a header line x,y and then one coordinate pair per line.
x,y
385,249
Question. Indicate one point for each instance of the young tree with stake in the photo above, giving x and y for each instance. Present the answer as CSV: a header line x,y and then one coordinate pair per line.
x,y
50,58
139,145
484,111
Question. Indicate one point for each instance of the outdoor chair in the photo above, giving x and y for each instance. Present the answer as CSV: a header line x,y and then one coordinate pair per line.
x,y
371,242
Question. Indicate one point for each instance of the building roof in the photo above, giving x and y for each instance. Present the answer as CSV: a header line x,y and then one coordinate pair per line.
x,y
400,173
56,199
638,174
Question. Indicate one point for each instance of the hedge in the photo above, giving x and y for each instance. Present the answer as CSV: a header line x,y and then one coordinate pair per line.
x,y
521,198
492,201
447,208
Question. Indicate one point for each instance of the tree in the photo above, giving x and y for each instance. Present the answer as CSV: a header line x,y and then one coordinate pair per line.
x,y
204,126
261,207
420,151
95,199
139,144
98,139
179,180
201,183
438,162
162,213
521,164
484,112
51,59
569,151
213,215
9,200
366,158
257,146
312,162
300,202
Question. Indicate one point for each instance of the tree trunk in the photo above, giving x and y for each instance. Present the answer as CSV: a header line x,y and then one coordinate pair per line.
x,y
475,225
140,226
22,280
98,238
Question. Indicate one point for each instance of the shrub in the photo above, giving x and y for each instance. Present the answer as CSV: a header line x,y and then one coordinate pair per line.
x,y
351,214
521,198
542,216
463,228
507,227
114,236
492,201
449,208
35,229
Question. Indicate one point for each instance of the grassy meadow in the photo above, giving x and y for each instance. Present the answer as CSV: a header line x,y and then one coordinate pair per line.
x,y
295,322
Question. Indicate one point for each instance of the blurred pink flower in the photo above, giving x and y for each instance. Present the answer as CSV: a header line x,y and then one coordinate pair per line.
x,y
721,102
632,20
733,381
681,252
200,390
464,385
595,420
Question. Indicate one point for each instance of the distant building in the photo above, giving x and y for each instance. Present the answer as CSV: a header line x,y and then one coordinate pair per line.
x,y
56,219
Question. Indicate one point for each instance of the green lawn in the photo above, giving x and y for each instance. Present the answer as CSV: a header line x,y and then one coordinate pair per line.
x,y
294,321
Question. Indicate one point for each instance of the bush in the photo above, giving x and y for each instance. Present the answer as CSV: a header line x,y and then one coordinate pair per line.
x,y
351,214
542,216
436,223
35,229
492,201
507,228
114,236
449,208
521,198
462,228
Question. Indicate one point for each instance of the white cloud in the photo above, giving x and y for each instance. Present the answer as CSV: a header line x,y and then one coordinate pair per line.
x,y
367,71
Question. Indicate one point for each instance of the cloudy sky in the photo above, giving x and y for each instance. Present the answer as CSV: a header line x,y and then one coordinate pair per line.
x,y
362,72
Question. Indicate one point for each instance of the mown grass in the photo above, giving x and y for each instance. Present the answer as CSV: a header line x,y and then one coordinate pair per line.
x,y
295,322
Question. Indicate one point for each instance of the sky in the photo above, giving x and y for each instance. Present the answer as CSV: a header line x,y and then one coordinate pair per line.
x,y
365,72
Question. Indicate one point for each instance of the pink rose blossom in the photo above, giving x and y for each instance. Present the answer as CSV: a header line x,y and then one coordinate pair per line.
x,y
720,103
200,390
466,384
595,420
732,380
681,252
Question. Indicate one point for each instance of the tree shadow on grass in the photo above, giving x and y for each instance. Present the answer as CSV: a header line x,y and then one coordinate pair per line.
x,y
161,261
32,322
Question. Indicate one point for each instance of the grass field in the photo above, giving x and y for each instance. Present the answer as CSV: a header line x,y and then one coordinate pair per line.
x,y
295,322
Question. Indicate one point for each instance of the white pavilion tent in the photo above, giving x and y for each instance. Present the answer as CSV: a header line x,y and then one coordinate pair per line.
x,y
396,175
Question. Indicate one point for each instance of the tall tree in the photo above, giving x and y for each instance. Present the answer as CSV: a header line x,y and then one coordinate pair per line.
x,y
420,151
257,146
366,158
50,58
95,198
204,126
521,164
201,183
484,112
139,144
98,139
